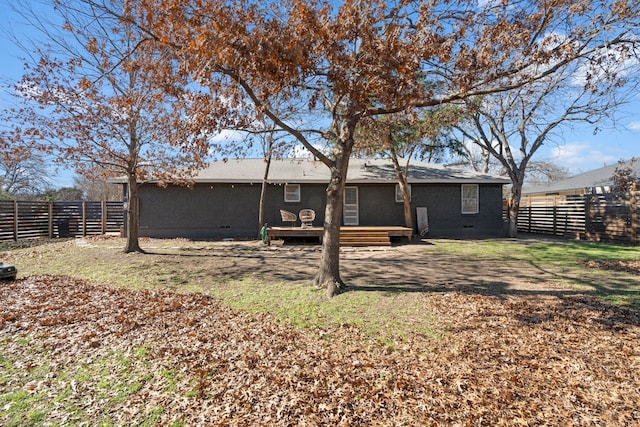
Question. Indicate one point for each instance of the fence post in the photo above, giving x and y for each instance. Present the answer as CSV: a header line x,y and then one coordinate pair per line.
x,y
555,215
104,217
529,215
84,219
588,221
15,220
51,220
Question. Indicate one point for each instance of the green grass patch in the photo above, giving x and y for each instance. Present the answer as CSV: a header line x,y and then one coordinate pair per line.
x,y
563,259
572,252
28,395
561,253
377,313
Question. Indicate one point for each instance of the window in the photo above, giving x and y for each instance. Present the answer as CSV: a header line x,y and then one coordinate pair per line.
x,y
350,208
292,193
399,198
470,199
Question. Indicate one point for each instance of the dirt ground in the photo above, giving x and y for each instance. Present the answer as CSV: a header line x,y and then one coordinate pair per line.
x,y
400,268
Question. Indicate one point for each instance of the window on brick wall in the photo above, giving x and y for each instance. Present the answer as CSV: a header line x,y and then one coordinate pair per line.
x,y
470,199
399,198
292,193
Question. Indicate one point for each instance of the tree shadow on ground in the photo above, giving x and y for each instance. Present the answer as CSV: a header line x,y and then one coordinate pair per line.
x,y
397,271
488,277
506,280
407,269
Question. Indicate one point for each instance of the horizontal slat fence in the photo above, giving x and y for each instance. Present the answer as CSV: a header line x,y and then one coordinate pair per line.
x,y
613,217
25,220
560,216
597,217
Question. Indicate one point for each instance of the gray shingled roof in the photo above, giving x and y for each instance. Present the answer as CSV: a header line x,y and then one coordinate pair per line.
x,y
360,171
602,177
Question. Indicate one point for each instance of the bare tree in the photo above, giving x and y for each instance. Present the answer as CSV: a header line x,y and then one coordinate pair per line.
x,y
23,173
402,138
98,190
476,157
513,125
90,97
272,145
545,171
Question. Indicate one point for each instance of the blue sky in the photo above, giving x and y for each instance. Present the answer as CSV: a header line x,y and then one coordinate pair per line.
x,y
579,149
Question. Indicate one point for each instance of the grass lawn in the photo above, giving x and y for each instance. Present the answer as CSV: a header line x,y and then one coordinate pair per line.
x,y
488,332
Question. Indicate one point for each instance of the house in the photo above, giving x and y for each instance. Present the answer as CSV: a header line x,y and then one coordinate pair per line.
x,y
597,181
224,200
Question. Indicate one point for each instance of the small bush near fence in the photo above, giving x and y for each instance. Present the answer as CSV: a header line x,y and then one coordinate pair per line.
x,y
597,217
24,219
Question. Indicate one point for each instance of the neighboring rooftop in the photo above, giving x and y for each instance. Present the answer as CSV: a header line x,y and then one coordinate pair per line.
x,y
360,171
594,181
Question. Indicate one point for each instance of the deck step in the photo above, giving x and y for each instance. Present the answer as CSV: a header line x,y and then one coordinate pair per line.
x,y
359,238
349,235
363,244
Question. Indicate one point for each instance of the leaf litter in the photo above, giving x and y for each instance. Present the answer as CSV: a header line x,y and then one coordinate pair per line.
x,y
161,357
617,265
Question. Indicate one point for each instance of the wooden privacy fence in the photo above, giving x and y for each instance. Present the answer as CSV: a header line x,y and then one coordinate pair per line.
x,y
24,219
597,217
560,216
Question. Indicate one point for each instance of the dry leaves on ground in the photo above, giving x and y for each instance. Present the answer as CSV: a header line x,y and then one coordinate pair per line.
x,y
627,266
517,361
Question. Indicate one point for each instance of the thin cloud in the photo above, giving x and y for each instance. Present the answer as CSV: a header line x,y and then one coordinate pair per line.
x,y
577,154
634,126
227,136
608,62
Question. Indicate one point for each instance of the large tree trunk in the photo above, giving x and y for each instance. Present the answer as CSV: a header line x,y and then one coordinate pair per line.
x,y
514,207
408,220
328,275
133,244
404,187
263,190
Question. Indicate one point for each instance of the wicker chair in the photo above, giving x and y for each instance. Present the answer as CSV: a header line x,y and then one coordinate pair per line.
x,y
306,217
288,217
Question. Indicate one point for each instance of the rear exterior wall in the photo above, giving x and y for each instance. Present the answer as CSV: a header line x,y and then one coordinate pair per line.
x,y
210,211
444,208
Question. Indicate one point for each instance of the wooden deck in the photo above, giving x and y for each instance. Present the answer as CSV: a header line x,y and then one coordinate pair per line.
x,y
349,235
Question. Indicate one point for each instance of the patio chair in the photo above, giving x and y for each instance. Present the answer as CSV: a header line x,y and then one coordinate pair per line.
x,y
288,217
306,217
